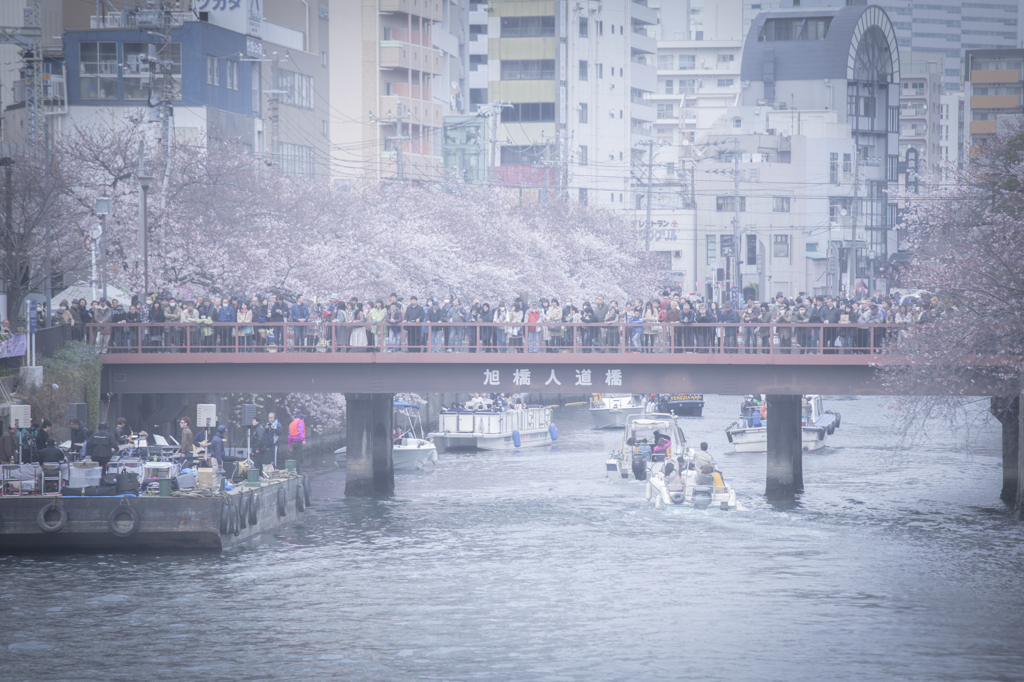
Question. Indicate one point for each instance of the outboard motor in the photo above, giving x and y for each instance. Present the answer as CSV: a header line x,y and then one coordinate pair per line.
x,y
639,467
701,496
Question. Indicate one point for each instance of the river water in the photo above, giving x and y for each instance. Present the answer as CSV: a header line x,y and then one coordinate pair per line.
x,y
531,566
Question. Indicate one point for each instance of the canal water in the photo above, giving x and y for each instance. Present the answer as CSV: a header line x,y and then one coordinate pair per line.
x,y
531,566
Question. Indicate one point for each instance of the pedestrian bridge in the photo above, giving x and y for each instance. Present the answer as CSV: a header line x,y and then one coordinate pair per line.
x,y
222,358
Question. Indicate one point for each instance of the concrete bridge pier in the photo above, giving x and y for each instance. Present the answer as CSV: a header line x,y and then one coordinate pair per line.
x,y
1007,411
370,468
785,474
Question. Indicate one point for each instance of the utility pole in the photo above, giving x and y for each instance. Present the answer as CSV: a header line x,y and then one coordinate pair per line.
x,y
47,263
29,38
737,277
144,181
274,108
399,161
650,180
33,74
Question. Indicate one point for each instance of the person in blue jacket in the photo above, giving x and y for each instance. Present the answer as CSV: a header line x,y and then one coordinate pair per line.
x,y
225,338
217,445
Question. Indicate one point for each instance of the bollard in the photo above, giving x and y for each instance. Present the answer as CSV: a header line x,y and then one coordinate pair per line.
x,y
165,487
289,465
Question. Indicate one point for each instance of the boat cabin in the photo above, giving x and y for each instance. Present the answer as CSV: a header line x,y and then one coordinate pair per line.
x,y
494,423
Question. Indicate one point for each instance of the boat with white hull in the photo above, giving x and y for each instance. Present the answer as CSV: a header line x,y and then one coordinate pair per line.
x,y
750,433
691,480
410,451
494,429
640,446
610,410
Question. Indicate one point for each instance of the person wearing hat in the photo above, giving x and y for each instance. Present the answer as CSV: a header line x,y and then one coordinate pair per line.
x,y
100,446
297,436
216,449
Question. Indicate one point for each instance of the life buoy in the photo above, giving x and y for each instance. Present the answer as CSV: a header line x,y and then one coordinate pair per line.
x,y
649,491
282,500
254,509
307,489
678,498
764,411
225,518
48,527
116,520
300,501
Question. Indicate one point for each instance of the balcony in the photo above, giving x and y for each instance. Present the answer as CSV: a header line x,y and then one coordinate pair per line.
x,y
643,13
1006,76
643,112
395,54
640,41
415,111
413,92
643,77
995,101
429,9
414,37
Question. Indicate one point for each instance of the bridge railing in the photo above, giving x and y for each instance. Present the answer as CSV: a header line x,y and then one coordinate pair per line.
x,y
484,337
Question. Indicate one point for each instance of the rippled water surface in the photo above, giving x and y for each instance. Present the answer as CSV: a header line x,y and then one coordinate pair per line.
x,y
531,566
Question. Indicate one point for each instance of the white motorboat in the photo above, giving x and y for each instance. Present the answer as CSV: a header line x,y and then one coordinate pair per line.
x,y
690,480
411,451
750,433
487,427
647,439
610,410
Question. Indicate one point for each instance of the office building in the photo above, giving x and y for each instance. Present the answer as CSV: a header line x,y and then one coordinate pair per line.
x,y
994,91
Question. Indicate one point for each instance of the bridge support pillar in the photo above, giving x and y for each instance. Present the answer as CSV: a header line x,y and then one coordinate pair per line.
x,y
1007,411
785,474
370,469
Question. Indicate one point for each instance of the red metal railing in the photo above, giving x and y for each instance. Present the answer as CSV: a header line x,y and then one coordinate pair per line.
x,y
485,337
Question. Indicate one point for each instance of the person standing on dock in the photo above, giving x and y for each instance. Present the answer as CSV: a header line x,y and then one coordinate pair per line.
x,y
297,435
100,446
187,446
216,449
273,438
9,445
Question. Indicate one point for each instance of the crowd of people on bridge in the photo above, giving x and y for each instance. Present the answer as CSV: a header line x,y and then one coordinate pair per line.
x,y
670,322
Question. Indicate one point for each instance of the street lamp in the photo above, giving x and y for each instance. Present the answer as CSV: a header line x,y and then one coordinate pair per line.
x,y
101,207
144,182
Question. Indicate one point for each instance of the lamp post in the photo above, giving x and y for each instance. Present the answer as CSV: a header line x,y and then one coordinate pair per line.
x,y
144,182
101,207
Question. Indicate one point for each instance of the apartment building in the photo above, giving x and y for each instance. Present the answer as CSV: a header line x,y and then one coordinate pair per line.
x,y
398,68
921,91
951,129
994,91
575,80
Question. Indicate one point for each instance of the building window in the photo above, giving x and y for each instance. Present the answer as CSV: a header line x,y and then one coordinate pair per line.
x,y
687,62
583,69
665,62
527,27
583,27
212,70
295,159
600,70
728,204
780,204
751,249
666,110
725,58
780,246
136,73
847,164
669,86
794,29
323,59
476,30
583,195
527,69
232,75
725,82
533,112
99,70
522,155
737,122
583,112
833,168
298,89
583,155
600,27
726,244
325,128
712,249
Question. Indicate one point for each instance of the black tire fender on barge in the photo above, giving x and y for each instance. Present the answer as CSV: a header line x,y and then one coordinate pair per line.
x,y
116,514
282,500
300,498
225,518
254,509
45,525
243,511
307,490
